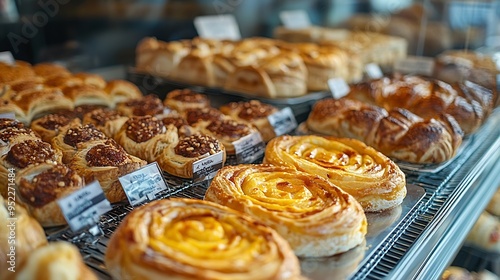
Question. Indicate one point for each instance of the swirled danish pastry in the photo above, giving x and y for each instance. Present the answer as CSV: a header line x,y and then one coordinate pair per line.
x,y
183,99
316,217
196,239
369,176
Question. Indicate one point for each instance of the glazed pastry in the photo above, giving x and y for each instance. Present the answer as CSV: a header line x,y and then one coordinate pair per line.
x,y
313,215
50,70
48,126
159,58
193,116
87,95
146,137
149,105
91,79
178,158
67,140
105,161
399,133
58,260
183,128
16,72
196,239
252,112
485,233
183,99
40,186
121,91
106,120
29,235
9,107
36,103
371,178
63,82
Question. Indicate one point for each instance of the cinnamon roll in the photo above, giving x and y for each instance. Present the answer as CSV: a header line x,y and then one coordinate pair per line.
x,y
195,239
366,174
316,217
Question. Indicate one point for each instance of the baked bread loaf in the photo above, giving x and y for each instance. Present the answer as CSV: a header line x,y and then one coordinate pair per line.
x,y
105,161
196,239
106,120
467,102
374,180
316,217
145,105
398,133
40,186
485,233
184,99
67,140
252,112
48,126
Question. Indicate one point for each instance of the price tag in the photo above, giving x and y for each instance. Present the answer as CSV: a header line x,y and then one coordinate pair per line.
x,y
143,184
373,71
249,148
217,27
415,65
83,208
338,87
9,115
283,121
7,58
295,19
206,168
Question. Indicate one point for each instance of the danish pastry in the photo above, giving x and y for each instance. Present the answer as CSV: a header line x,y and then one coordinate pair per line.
x,y
106,120
313,215
48,126
121,91
67,140
374,180
149,105
196,239
182,99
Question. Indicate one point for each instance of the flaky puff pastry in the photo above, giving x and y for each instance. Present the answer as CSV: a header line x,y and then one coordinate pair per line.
x,y
40,186
106,120
374,180
183,99
48,126
121,91
105,161
67,140
58,260
196,239
316,217
28,235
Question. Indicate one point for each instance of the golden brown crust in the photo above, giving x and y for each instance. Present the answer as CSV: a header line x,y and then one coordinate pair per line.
x,y
91,79
313,215
183,99
121,91
371,178
68,139
49,70
106,120
36,103
193,116
30,152
84,94
190,251
145,105
48,126
16,72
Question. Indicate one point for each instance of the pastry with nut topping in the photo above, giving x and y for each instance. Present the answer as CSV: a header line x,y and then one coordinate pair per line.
x,y
145,105
67,141
48,126
182,99
106,120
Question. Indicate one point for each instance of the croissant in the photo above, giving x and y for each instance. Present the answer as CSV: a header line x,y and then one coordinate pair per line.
x,y
467,102
196,239
398,133
316,217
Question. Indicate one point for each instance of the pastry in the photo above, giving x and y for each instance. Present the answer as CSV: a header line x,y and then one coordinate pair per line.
x,y
196,239
87,95
68,139
183,128
23,229
149,105
91,79
494,204
485,234
106,120
50,70
178,158
57,260
48,126
121,91
183,99
374,180
63,81
456,273
398,133
40,186
105,161
195,68
159,58
316,217
252,112
193,116
15,72
9,107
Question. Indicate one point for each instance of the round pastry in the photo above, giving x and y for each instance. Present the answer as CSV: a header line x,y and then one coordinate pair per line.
x,y
193,116
183,128
149,105
177,159
253,112
316,217
40,186
182,99
370,177
58,260
196,239
21,227
67,141
48,126
105,161
106,120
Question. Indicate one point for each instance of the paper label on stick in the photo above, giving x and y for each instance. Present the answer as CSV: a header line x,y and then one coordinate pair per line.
x,y
295,19
217,27
143,184
249,148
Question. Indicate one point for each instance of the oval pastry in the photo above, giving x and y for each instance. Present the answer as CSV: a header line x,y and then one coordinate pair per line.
x,y
48,126
313,215
369,176
106,120
195,239
68,140
146,105
183,99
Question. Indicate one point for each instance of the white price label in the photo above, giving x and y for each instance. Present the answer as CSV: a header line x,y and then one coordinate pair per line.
x,y
83,208
295,19
9,115
206,168
415,65
338,87
143,184
7,58
249,148
373,71
283,121
217,27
